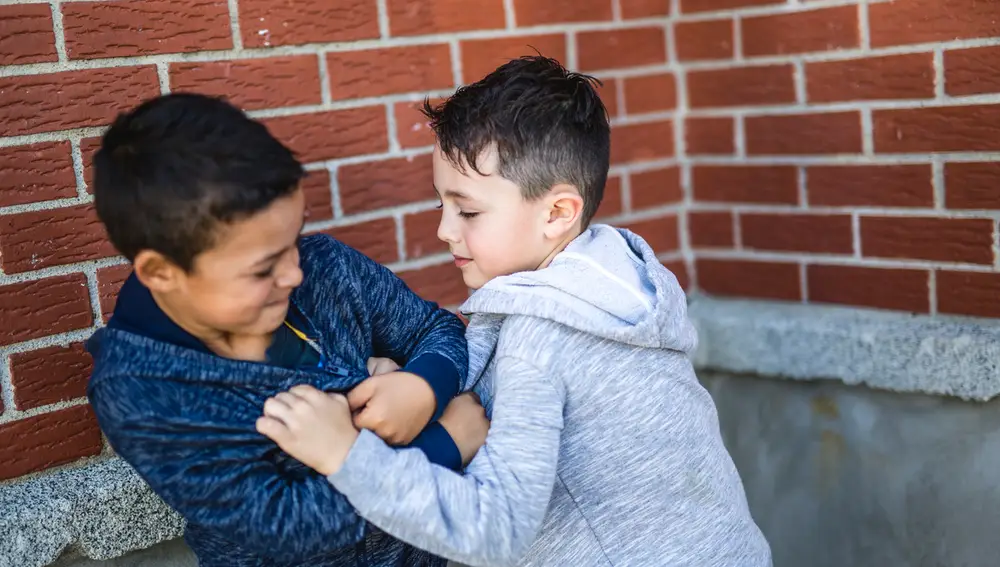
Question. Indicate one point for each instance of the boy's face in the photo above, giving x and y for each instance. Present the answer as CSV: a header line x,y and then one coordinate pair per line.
x,y
490,228
241,285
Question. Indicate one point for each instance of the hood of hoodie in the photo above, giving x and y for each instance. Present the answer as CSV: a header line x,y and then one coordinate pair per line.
x,y
607,282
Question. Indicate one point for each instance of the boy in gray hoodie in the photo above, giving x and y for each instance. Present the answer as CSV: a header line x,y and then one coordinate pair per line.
x,y
603,449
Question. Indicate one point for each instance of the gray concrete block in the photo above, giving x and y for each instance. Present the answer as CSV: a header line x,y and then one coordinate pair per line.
x,y
885,350
101,511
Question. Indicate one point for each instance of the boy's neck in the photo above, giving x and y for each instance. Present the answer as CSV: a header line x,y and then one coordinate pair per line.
x,y
225,344
570,237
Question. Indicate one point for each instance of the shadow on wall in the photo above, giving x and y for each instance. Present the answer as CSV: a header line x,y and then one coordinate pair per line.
x,y
844,475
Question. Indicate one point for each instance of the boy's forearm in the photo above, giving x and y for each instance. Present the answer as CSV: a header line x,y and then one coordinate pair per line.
x,y
439,448
441,374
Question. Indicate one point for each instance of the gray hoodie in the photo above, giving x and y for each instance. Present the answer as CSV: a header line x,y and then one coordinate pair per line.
x,y
603,449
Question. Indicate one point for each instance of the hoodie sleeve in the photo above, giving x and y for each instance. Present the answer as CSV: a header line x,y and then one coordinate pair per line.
x,y
490,516
429,341
228,479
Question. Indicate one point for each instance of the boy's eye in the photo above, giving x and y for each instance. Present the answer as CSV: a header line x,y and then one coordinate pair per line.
x,y
265,274
465,215
440,205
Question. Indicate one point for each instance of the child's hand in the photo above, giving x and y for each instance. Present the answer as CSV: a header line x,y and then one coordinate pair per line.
x,y
378,366
395,406
465,420
312,426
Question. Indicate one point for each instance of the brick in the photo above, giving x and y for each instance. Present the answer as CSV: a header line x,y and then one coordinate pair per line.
x,y
972,185
253,84
534,13
319,197
746,278
26,34
829,133
441,284
608,91
741,86
44,307
109,283
644,8
942,129
801,32
746,184
88,147
375,239
334,134
49,102
690,6
412,127
939,239
638,142
708,39
39,172
616,49
650,93
972,71
822,234
655,187
399,70
880,288
870,185
128,29
709,136
293,22
713,229
387,183
50,375
679,270
968,293
662,234
924,21
611,203
421,234
36,443
481,57
444,16
41,239
871,78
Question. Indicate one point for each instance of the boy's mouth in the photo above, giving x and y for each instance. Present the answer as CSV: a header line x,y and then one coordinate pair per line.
x,y
462,262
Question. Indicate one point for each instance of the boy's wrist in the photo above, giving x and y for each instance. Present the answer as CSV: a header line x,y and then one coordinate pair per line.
x,y
440,374
339,455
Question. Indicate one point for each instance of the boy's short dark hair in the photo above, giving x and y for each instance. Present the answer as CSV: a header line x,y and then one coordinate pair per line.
x,y
548,126
173,169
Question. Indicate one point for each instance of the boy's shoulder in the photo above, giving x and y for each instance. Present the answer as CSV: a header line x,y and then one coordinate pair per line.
x,y
535,338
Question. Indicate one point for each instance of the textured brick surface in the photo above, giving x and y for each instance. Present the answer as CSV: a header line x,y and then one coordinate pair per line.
x,y
826,234
944,240
380,184
711,5
421,234
399,70
827,133
441,283
109,281
972,71
123,29
44,307
711,229
376,239
49,375
920,21
746,184
37,172
26,34
708,39
709,135
39,239
333,134
801,32
442,16
534,13
944,129
47,440
762,280
741,86
290,22
58,101
972,185
660,233
650,93
319,197
253,83
481,56
891,77
968,293
639,142
617,49
655,187
880,288
871,185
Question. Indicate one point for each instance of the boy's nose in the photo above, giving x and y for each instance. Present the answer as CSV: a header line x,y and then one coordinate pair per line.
x,y
446,231
290,275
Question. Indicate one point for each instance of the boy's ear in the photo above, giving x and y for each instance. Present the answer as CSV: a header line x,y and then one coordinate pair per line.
x,y
565,209
155,271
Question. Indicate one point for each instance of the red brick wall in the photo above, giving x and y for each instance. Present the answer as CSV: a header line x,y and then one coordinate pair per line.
x,y
843,151
337,80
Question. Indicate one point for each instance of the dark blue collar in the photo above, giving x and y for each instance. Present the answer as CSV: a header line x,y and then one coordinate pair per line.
x,y
137,312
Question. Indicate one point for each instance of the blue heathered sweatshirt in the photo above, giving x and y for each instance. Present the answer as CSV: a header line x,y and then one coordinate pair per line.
x,y
184,417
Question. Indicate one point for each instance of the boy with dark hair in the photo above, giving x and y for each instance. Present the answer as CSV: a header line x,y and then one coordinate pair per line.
x,y
603,448
228,305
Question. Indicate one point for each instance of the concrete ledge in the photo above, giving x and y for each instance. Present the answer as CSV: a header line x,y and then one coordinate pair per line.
x,y
890,351
101,511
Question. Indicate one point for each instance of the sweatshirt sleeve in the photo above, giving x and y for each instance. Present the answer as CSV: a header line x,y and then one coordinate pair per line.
x,y
429,341
227,478
490,516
